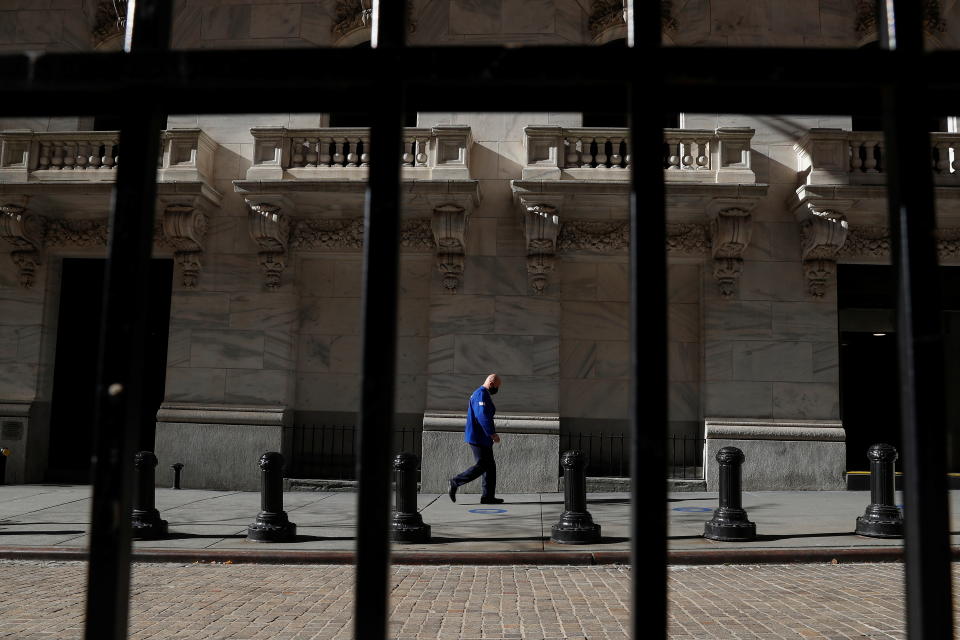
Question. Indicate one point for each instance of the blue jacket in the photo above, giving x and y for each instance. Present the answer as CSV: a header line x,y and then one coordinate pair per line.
x,y
480,419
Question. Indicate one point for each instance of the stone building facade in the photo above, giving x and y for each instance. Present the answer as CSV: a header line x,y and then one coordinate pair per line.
x,y
513,251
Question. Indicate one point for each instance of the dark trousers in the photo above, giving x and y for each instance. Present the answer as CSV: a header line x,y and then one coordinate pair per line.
x,y
485,466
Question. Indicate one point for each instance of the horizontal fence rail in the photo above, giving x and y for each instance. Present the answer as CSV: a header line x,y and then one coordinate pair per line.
x,y
328,451
608,454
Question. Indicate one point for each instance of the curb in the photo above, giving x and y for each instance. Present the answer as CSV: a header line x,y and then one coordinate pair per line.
x,y
569,558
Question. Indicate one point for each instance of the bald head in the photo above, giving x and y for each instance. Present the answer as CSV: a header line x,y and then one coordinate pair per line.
x,y
492,381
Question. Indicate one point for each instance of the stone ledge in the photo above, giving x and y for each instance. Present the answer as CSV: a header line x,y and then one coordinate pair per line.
x,y
265,415
15,408
784,430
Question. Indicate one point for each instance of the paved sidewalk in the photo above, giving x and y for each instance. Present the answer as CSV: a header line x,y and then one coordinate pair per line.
x,y
57,516
44,601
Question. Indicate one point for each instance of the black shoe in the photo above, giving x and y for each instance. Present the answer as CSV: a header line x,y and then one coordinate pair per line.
x,y
491,500
453,491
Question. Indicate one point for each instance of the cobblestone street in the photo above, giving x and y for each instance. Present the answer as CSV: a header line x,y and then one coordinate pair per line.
x,y
42,600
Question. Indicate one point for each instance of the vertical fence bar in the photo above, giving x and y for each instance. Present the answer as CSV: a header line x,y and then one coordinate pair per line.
x,y
648,329
381,250
919,332
123,343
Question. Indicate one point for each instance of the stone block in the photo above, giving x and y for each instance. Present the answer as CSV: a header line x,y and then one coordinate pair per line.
x,y
178,348
683,322
272,21
780,455
683,361
332,316
410,394
595,320
578,358
683,401
732,320
527,456
315,277
412,356
226,349
200,310
513,158
773,281
413,317
738,399
18,381
226,22
578,280
39,27
313,353
683,282
279,350
440,354
773,361
594,398
461,314
209,463
813,321
520,394
328,392
471,17
528,16
482,236
261,386
191,384
806,400
613,359
264,310
613,281
826,362
415,277
481,354
488,275
526,315
345,353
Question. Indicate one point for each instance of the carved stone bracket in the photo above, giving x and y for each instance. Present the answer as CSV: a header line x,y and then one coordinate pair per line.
x,y
449,227
730,230
24,231
542,227
823,232
270,229
185,228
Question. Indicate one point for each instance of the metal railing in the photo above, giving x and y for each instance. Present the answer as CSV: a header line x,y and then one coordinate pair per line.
x,y
328,451
608,454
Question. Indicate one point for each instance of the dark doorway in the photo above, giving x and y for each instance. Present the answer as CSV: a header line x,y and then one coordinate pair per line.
x,y
75,366
869,380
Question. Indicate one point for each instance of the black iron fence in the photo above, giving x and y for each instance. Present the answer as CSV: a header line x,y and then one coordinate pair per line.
x,y
328,451
608,454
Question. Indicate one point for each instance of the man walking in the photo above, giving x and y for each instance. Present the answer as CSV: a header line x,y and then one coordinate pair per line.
x,y
481,434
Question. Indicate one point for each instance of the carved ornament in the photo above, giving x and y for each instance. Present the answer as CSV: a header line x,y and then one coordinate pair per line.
x,y
109,21
541,227
347,233
185,227
866,20
449,228
873,241
605,14
76,233
823,233
270,229
730,231
23,231
613,236
354,15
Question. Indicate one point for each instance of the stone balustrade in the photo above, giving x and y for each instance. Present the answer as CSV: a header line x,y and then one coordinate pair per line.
x,y
835,156
689,155
440,152
28,156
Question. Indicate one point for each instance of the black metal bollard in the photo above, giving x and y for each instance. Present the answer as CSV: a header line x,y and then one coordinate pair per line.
x,y
271,524
729,522
576,525
146,521
882,519
407,525
4,452
177,468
